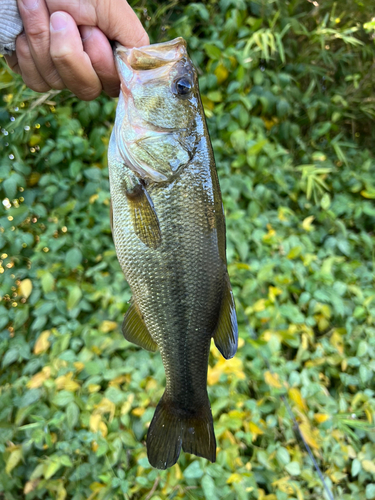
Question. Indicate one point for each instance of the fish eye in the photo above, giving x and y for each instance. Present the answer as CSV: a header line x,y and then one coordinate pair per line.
x,y
184,86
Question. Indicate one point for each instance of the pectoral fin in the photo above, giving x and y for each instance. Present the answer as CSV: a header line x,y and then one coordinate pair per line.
x,y
135,331
226,331
145,221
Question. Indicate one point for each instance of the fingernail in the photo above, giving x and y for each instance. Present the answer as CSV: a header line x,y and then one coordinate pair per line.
x,y
85,32
58,21
30,4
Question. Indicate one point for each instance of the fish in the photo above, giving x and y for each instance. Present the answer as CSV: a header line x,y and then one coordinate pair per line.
x,y
168,227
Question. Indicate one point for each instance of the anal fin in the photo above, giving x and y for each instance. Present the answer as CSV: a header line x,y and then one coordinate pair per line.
x,y
226,331
144,218
135,330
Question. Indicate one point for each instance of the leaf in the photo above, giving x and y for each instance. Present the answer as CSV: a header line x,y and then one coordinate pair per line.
x,y
193,471
296,397
73,258
283,456
42,344
108,326
212,51
10,357
14,459
72,414
25,288
272,379
30,397
234,478
293,468
307,223
63,398
368,466
48,282
308,435
208,487
257,148
74,297
51,467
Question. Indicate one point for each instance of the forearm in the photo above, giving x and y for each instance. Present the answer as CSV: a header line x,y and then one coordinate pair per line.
x,y
10,25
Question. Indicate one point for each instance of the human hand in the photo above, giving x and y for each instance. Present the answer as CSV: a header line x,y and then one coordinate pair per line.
x,y
65,44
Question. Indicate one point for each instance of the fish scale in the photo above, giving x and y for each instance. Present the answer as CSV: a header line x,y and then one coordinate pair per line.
x,y
169,234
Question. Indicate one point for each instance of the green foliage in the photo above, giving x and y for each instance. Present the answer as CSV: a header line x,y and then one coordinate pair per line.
x,y
288,93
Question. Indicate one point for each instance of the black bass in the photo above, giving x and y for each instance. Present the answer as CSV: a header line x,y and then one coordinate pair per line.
x,y
169,232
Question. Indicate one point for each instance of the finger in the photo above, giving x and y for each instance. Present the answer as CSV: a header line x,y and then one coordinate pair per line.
x,y
35,18
29,72
116,19
12,62
99,50
72,63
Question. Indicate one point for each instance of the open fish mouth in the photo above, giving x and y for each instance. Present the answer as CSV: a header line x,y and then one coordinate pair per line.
x,y
152,56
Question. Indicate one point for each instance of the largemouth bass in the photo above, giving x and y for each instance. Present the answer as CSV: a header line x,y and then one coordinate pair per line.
x,y
169,232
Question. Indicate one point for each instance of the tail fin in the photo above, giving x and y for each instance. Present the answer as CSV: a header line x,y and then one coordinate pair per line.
x,y
173,428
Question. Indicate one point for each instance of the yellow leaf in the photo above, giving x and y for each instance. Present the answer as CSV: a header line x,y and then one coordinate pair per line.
x,y
209,105
368,466
273,292
368,415
368,194
93,198
117,381
25,288
79,366
234,367
213,375
321,417
296,397
221,73
65,382
125,408
96,486
337,342
103,429
39,378
94,388
308,435
34,140
228,435
259,305
272,379
30,486
34,178
234,478
94,422
294,252
138,412
94,446
106,406
255,430
108,326
151,384
13,460
42,343
178,473
306,224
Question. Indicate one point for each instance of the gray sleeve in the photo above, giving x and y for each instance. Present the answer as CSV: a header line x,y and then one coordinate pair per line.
x,y
10,25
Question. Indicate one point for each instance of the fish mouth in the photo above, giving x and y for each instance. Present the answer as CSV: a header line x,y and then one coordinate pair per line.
x,y
151,56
